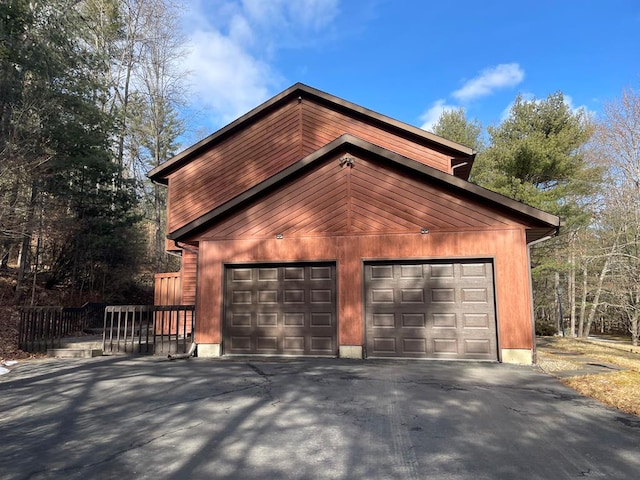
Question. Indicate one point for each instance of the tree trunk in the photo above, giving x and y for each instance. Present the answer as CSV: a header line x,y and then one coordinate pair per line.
x,y
583,306
596,298
25,246
572,288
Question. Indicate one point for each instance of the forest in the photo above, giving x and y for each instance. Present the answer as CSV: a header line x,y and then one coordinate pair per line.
x,y
92,97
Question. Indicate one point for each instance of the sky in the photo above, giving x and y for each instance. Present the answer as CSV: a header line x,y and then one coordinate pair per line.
x,y
407,59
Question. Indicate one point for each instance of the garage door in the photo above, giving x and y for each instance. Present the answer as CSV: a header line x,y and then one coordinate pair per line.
x,y
430,310
280,310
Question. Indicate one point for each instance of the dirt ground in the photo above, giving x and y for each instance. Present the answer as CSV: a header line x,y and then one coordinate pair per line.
x,y
607,370
9,328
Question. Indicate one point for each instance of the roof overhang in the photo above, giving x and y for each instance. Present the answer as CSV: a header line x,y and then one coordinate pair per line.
x,y
545,223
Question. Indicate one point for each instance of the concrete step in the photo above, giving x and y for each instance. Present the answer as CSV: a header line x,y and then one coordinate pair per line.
x,y
82,343
74,352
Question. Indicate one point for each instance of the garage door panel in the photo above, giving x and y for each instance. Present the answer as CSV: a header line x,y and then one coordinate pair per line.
x,y
267,319
446,346
414,346
242,275
293,296
323,296
267,297
322,319
267,274
321,273
444,320
322,345
430,309
475,320
293,319
441,270
413,320
242,297
442,295
283,310
241,343
412,295
294,343
267,344
477,347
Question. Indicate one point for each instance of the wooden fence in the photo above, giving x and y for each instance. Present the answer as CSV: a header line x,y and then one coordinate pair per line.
x,y
148,329
167,288
42,328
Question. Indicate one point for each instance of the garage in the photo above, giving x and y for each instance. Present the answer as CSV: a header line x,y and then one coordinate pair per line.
x,y
430,309
280,309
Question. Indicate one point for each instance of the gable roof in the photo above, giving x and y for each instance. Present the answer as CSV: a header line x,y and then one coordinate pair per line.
x,y
300,90
545,223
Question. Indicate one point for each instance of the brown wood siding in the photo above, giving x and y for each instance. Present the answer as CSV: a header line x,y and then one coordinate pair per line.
x,y
368,198
189,271
506,247
167,289
389,200
316,202
321,125
234,165
259,151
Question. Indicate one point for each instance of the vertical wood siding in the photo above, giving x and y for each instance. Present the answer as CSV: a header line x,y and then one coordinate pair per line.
x,y
189,269
167,289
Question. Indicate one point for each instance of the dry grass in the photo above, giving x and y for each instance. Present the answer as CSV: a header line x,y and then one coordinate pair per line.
x,y
618,389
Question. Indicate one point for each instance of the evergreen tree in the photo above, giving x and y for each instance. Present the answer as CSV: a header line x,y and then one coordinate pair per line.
x,y
453,125
536,156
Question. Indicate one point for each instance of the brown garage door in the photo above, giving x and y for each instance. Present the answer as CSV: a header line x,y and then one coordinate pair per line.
x,y
280,310
430,310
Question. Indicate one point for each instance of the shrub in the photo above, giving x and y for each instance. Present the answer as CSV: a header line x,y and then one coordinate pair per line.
x,y
545,328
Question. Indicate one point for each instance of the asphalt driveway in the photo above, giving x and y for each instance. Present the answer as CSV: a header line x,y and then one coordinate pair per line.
x,y
148,418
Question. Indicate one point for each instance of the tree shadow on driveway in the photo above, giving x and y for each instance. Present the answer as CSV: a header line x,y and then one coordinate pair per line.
x,y
145,417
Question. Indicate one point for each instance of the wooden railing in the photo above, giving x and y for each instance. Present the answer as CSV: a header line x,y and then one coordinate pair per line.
x,y
42,328
148,329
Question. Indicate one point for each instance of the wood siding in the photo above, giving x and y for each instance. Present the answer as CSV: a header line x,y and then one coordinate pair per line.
x,y
266,147
167,289
234,165
367,198
321,125
506,247
189,271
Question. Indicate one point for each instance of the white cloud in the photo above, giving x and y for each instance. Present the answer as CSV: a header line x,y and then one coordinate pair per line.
x,y
431,116
291,14
226,80
490,79
231,44
568,100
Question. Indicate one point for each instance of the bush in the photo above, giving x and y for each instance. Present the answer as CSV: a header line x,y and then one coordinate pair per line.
x,y
545,328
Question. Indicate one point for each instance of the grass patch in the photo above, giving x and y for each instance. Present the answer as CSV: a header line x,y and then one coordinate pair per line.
x,y
620,355
617,389
565,358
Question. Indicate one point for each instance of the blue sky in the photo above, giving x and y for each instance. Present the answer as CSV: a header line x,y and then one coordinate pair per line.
x,y
408,59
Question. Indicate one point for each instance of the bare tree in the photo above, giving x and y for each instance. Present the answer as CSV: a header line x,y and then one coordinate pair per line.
x,y
617,141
